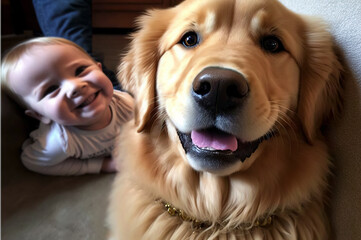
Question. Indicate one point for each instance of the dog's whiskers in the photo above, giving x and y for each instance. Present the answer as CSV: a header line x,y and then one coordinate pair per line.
x,y
284,121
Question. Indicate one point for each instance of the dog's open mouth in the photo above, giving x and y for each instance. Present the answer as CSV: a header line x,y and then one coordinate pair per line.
x,y
215,149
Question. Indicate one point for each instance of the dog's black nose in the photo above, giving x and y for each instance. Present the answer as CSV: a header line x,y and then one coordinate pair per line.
x,y
219,89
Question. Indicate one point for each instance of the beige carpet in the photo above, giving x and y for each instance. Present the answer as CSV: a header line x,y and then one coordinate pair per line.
x,y
36,207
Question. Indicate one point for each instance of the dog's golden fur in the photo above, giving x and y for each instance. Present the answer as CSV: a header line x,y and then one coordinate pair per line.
x,y
291,94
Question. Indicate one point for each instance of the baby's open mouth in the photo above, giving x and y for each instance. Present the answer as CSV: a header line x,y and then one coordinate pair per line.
x,y
89,100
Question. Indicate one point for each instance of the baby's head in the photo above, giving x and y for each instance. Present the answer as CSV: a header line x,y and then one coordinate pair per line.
x,y
56,80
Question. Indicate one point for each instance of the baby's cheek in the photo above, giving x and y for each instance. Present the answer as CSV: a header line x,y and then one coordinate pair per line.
x,y
108,88
61,112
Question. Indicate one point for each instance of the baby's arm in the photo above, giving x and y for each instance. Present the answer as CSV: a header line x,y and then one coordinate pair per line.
x,y
109,165
68,167
54,161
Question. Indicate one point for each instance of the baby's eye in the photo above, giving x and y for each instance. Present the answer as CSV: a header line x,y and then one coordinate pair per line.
x,y
79,70
50,90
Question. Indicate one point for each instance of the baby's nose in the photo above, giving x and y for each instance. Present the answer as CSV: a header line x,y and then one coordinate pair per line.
x,y
75,88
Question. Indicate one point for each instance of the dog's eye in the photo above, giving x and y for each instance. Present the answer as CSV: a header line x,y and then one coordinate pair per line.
x,y
272,44
190,39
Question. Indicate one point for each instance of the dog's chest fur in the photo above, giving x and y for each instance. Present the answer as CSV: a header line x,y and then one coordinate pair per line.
x,y
227,202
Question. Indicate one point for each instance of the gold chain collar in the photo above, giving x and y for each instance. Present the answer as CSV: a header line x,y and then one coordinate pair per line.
x,y
263,222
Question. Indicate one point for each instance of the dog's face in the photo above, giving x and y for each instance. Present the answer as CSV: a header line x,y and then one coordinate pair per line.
x,y
224,82
227,75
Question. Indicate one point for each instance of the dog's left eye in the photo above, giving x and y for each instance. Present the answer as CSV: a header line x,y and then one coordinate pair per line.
x,y
190,39
272,44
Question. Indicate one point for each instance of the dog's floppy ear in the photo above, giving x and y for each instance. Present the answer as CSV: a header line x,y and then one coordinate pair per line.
x,y
137,71
320,86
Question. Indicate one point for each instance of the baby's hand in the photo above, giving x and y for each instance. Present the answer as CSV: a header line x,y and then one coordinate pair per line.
x,y
109,165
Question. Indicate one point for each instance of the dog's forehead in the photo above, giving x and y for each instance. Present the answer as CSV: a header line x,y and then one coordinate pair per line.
x,y
210,21
211,15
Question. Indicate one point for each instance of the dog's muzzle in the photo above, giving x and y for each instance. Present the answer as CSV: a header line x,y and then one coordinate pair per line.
x,y
218,94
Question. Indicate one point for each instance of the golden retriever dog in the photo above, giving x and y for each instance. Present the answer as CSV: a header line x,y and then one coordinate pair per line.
x,y
227,143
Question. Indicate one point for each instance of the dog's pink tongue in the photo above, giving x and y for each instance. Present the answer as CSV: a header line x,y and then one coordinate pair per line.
x,y
214,139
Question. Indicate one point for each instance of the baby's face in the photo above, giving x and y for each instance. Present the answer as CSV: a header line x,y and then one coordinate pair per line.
x,y
62,84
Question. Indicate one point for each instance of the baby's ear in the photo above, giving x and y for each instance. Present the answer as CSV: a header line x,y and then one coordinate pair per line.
x,y
99,65
38,116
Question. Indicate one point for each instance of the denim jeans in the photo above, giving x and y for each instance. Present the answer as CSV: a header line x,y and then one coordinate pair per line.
x,y
70,19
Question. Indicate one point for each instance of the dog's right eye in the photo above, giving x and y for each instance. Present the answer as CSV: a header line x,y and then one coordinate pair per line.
x,y
272,44
190,39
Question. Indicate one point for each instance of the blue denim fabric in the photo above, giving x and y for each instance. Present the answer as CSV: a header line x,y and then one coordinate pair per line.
x,y
70,19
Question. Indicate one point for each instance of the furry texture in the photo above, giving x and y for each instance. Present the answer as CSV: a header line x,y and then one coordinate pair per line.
x,y
292,93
